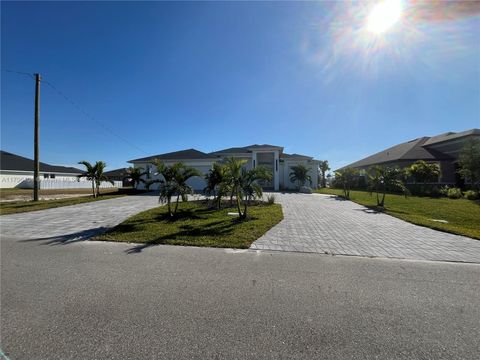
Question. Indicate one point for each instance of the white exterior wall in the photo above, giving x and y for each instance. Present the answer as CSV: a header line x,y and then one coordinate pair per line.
x,y
285,170
24,180
198,183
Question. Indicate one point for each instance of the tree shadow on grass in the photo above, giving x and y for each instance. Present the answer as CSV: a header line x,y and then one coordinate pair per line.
x,y
189,235
69,238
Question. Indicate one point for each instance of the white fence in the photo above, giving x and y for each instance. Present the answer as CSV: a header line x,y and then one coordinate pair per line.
x,y
66,184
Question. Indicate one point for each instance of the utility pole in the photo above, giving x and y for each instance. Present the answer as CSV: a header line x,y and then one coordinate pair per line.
x,y
36,156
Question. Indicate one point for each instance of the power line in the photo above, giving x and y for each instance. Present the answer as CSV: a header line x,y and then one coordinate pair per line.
x,y
19,72
74,104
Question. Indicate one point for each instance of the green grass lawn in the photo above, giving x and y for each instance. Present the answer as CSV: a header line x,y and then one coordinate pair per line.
x,y
463,215
25,206
196,225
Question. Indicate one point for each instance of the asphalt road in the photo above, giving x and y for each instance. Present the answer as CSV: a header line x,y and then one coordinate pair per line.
x,y
89,300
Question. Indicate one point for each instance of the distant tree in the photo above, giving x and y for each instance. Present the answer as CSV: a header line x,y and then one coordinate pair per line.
x,y
95,173
469,161
324,167
329,179
424,172
345,178
383,178
135,176
299,174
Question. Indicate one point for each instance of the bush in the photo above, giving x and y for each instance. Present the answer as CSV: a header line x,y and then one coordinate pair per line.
x,y
270,199
431,190
454,193
471,195
444,190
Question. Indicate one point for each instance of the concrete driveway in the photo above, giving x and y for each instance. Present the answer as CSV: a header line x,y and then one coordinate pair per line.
x,y
75,222
330,225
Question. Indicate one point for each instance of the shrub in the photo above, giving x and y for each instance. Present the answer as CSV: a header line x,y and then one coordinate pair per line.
x,y
270,199
471,195
444,190
454,193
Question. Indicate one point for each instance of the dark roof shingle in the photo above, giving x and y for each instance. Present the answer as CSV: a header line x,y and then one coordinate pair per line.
x,y
9,161
177,155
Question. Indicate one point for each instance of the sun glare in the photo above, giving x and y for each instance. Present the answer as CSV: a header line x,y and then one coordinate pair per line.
x,y
384,15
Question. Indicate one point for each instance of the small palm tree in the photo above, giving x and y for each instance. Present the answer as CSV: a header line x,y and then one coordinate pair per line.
x,y
89,174
383,178
95,173
345,178
244,183
324,167
135,176
249,186
100,176
300,175
216,180
174,183
182,175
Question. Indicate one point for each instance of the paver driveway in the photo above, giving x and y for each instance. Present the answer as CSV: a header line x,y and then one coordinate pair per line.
x,y
327,224
76,221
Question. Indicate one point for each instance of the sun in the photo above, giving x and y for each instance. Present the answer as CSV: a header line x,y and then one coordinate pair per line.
x,y
384,15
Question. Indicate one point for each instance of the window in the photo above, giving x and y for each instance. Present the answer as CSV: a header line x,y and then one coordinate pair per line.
x,y
45,176
254,163
52,176
276,165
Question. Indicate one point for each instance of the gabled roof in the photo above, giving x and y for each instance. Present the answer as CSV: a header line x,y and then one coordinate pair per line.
x,y
117,172
9,161
295,156
187,154
245,149
451,136
410,150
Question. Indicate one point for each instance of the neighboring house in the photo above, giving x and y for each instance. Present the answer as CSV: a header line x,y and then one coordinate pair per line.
x,y
442,149
17,172
269,156
119,175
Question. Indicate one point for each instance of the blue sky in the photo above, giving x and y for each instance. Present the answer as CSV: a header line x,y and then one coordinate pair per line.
x,y
170,76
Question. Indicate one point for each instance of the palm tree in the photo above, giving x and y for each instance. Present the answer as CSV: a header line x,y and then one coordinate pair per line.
x,y
174,183
383,178
423,172
345,177
300,175
244,183
324,167
89,174
249,186
135,176
100,176
182,174
233,173
95,173
217,185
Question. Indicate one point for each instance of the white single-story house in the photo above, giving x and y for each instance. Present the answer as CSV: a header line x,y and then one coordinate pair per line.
x,y
17,172
269,156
